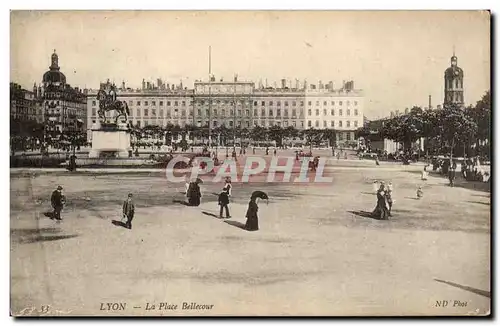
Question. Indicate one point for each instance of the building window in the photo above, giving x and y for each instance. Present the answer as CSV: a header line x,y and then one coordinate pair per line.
x,y
348,112
146,112
332,123
153,112
286,113
153,103
332,112
215,112
317,112
294,113
138,102
138,112
324,124
223,112
263,112
190,103
348,124
340,103
270,112
255,113
130,103
340,112
309,124
263,103
183,103
254,103
176,103
324,103
333,103
199,112
278,103
356,112
340,123
161,113
278,112
207,112
231,112
324,112
239,113
309,103
294,123
247,113
355,103
309,112
356,123
317,103
146,103
294,103
93,111
168,103
316,123
93,103
161,103
286,103
138,124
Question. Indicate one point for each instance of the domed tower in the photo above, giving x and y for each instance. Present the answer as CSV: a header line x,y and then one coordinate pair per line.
x,y
54,76
454,84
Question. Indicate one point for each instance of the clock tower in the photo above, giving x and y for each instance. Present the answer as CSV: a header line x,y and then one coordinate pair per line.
x,y
453,84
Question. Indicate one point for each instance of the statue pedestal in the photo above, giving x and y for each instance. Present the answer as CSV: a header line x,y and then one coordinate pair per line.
x,y
110,140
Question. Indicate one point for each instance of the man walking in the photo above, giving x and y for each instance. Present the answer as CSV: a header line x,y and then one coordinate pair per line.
x,y
57,200
128,211
224,202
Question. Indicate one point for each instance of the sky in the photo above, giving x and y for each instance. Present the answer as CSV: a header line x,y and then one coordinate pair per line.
x,y
398,58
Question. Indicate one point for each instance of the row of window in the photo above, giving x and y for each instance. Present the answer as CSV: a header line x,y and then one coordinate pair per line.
x,y
226,102
231,112
332,112
332,124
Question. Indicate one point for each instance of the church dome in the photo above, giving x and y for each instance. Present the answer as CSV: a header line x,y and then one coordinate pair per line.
x,y
453,71
54,75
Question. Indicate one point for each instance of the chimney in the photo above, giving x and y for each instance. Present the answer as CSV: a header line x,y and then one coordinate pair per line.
x,y
320,84
235,78
430,102
297,84
283,83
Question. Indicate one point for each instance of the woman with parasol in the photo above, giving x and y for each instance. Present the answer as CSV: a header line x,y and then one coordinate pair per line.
x,y
252,223
194,192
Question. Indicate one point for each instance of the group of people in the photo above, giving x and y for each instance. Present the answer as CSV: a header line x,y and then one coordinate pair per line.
x,y
194,195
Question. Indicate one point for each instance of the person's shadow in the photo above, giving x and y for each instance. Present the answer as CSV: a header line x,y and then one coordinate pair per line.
x,y
49,214
176,201
210,214
363,214
236,224
119,223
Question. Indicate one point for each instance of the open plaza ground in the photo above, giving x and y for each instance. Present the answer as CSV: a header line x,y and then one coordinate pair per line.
x,y
317,251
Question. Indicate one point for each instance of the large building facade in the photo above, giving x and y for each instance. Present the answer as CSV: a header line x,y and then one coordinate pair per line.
x,y
23,105
63,107
241,104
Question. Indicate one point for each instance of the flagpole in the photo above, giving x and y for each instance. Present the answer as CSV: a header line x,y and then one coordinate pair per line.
x,y
210,96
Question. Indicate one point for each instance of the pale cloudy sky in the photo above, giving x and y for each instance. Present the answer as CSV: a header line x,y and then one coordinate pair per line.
x,y
397,58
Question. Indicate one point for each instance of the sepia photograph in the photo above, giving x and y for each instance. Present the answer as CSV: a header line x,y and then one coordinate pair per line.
x,y
209,163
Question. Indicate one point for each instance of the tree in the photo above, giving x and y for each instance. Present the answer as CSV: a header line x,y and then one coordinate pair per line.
x,y
454,126
276,134
258,133
406,128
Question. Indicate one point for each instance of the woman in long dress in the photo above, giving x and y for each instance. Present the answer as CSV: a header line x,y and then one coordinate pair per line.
x,y
194,194
252,223
381,211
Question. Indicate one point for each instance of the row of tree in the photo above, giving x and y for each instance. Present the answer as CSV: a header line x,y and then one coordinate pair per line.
x,y
451,130
226,135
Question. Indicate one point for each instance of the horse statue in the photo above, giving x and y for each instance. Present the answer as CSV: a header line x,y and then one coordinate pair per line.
x,y
108,102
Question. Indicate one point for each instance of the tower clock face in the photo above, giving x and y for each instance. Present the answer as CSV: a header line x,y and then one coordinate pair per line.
x,y
456,72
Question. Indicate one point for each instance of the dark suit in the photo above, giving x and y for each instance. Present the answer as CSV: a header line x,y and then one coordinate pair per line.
x,y
128,211
224,202
57,203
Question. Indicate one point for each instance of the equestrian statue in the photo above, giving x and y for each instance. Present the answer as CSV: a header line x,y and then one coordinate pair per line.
x,y
108,102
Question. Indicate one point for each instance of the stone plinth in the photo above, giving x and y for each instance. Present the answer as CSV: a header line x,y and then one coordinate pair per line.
x,y
110,140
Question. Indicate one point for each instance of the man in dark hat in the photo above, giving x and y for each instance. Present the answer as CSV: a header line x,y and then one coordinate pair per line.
x,y
129,210
224,202
57,201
